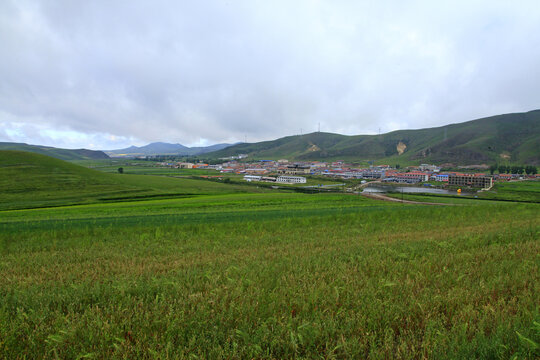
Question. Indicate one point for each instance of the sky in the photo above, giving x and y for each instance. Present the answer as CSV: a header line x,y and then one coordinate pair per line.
x,y
109,74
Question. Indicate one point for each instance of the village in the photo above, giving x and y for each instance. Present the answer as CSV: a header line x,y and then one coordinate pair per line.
x,y
283,171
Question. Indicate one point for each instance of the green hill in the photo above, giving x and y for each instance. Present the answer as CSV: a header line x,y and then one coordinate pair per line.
x,y
513,138
30,180
62,154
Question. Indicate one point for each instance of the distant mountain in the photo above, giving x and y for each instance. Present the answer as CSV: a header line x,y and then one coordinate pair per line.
x,y
511,138
62,154
161,148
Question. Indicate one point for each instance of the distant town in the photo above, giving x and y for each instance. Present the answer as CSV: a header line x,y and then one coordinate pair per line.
x,y
283,171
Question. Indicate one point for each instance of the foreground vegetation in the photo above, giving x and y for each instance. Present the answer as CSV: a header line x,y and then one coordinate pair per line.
x,y
270,276
142,266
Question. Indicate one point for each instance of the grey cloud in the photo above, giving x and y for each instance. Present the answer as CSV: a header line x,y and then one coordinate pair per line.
x,y
217,71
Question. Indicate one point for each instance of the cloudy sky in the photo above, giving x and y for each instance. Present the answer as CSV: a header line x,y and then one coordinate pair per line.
x,y
109,74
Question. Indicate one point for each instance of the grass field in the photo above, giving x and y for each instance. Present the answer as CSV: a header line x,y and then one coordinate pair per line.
x,y
30,180
515,191
272,276
230,274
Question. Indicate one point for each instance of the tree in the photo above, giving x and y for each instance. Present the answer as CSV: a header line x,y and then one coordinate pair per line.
x,y
492,168
502,169
517,169
398,166
531,170
120,170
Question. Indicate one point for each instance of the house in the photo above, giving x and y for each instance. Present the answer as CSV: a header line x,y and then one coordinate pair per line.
x,y
483,182
428,167
256,171
410,177
184,165
252,178
291,179
295,170
441,177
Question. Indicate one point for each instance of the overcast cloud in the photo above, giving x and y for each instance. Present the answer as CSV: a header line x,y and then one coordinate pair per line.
x,y
108,74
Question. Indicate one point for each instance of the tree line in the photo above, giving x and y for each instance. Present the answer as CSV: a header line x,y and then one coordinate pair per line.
x,y
514,169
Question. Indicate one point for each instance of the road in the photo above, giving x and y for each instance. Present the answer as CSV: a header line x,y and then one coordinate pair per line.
x,y
378,196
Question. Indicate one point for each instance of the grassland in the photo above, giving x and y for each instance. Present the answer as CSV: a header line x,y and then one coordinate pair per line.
x,y
527,191
30,180
63,154
141,168
270,275
514,191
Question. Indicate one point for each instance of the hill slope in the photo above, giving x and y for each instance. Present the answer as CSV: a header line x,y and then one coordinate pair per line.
x,y
62,154
161,148
511,138
30,180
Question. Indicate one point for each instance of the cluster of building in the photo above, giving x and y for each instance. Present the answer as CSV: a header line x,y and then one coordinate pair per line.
x,y
282,171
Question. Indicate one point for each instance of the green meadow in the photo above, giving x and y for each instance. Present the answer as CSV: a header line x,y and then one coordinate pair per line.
x,y
170,268
29,180
527,191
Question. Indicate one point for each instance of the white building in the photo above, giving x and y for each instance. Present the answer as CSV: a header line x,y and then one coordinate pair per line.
x,y
252,178
291,179
428,167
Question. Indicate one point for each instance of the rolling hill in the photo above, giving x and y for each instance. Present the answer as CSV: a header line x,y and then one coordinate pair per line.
x,y
161,148
512,138
62,154
31,180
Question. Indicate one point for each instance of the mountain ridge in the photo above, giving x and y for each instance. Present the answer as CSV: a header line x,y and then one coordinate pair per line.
x,y
511,137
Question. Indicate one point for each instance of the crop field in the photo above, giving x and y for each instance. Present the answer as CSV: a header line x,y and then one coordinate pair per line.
x,y
274,275
106,266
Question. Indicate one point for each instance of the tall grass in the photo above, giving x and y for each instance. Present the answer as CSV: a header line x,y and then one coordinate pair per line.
x,y
270,276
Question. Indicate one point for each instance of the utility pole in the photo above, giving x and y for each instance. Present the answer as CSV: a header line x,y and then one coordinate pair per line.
x,y
319,127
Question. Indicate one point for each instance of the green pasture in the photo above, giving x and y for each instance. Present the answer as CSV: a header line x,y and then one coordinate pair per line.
x,y
270,276
129,266
436,198
527,191
29,180
515,191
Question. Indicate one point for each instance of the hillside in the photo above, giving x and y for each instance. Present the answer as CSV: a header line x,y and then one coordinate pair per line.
x,y
513,138
30,180
161,148
62,154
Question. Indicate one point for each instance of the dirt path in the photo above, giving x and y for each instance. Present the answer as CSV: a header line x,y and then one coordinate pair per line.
x,y
388,198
